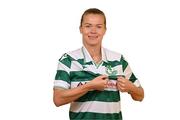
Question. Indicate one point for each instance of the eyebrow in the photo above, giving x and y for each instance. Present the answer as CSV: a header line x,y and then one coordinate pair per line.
x,y
91,24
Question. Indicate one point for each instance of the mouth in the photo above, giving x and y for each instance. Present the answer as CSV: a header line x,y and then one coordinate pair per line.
x,y
92,37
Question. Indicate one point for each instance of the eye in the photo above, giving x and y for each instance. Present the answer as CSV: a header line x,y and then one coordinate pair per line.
x,y
87,26
99,26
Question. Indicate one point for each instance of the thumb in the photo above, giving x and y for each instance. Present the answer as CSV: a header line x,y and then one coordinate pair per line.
x,y
104,77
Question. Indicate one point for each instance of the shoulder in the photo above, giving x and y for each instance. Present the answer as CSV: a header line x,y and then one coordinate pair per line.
x,y
112,55
73,55
76,54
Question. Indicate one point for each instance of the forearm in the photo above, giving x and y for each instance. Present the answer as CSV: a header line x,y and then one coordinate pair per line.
x,y
65,100
137,93
67,96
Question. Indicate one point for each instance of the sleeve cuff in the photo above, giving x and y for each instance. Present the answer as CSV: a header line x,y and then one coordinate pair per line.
x,y
61,84
137,83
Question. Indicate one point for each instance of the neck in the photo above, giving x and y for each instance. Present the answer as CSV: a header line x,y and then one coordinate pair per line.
x,y
95,52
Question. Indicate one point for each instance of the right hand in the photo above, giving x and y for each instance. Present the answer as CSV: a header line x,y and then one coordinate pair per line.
x,y
99,83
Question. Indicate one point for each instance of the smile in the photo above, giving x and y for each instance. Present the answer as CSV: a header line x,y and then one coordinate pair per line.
x,y
93,37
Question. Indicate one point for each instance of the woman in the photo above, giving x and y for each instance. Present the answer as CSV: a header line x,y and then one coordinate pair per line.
x,y
92,77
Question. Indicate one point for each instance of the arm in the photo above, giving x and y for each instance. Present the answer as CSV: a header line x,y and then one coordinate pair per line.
x,y
124,85
64,96
137,93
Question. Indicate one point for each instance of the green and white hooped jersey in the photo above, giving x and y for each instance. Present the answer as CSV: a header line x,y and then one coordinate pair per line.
x,y
77,68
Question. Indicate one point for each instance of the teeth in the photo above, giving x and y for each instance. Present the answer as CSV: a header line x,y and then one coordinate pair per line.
x,y
93,36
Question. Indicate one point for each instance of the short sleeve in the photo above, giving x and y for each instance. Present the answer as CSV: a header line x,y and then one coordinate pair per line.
x,y
62,78
128,72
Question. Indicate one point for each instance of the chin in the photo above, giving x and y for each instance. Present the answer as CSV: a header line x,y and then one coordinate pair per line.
x,y
93,43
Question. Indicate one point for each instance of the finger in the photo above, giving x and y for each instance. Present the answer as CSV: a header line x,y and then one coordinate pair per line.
x,y
121,89
120,77
122,80
106,85
106,82
104,77
121,85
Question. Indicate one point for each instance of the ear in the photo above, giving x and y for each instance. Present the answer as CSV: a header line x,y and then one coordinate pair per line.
x,y
80,29
105,31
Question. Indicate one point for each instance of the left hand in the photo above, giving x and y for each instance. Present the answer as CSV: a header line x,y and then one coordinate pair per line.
x,y
124,85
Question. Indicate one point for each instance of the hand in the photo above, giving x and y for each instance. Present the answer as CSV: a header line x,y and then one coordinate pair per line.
x,y
124,85
99,83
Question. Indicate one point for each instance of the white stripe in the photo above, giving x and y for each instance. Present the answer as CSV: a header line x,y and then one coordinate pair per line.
x,y
96,106
61,66
61,83
128,72
76,54
102,69
119,69
90,68
137,83
111,85
75,84
75,66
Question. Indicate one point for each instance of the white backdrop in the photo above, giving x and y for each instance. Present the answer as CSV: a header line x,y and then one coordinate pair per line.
x,y
35,33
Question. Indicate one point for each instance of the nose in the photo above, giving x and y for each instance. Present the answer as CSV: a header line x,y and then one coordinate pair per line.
x,y
93,30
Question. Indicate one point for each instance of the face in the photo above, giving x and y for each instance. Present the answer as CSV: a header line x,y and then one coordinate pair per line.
x,y
92,29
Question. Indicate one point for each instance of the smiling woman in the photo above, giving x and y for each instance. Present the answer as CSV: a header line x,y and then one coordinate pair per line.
x,y
93,28
92,77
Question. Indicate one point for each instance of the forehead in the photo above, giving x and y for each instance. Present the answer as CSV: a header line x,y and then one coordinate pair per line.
x,y
93,19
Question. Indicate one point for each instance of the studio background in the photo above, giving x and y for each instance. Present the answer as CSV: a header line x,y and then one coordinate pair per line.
x,y
34,34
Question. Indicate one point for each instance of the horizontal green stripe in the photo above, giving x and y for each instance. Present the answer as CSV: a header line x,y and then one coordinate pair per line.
x,y
77,76
82,76
62,75
112,63
104,96
95,116
132,78
66,62
82,62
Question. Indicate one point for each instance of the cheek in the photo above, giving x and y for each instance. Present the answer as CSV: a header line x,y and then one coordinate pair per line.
x,y
85,32
101,35
101,32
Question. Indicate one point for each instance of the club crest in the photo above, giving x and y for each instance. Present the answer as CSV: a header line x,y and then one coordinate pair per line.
x,y
110,71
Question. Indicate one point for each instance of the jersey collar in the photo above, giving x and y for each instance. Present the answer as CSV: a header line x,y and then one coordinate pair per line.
x,y
88,58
